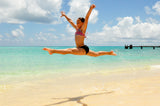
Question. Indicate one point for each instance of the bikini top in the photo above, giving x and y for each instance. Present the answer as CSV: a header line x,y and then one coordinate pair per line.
x,y
79,32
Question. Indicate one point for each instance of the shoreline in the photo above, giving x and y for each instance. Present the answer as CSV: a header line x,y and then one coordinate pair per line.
x,y
123,88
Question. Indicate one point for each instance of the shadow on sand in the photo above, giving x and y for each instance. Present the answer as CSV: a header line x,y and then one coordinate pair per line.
x,y
77,99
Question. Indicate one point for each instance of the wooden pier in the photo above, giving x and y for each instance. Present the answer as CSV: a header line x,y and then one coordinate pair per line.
x,y
131,47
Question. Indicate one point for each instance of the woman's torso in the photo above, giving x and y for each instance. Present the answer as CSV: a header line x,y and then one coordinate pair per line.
x,y
79,38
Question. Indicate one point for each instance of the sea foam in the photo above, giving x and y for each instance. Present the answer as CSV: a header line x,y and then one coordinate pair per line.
x,y
155,67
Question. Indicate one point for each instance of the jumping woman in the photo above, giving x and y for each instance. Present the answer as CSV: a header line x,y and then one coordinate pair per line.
x,y
81,48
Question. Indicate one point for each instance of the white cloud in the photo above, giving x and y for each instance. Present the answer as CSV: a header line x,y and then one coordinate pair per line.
x,y
51,29
1,37
21,11
148,10
128,30
155,10
79,8
156,7
138,19
18,32
70,29
151,20
70,34
45,36
50,39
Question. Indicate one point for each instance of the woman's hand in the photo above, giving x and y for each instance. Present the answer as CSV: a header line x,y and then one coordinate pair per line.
x,y
62,14
93,6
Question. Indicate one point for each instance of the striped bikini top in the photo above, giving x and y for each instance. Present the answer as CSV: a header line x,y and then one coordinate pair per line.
x,y
79,32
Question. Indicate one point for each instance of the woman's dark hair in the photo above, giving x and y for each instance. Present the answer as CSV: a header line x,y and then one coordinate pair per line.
x,y
82,19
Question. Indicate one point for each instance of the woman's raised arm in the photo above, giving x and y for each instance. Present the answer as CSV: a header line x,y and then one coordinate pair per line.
x,y
84,27
68,19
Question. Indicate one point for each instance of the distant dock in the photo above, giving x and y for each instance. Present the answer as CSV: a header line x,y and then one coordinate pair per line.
x,y
131,47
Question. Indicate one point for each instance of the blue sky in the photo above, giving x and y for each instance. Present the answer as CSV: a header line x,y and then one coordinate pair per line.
x,y
112,23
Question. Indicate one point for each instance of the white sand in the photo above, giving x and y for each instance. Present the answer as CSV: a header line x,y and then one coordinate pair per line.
x,y
141,88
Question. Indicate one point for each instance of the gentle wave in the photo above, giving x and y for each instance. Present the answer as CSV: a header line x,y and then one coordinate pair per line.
x,y
155,67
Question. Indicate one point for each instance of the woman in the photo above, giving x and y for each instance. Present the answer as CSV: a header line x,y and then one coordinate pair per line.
x,y
81,48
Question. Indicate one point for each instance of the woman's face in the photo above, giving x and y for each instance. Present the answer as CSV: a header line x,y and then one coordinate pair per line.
x,y
79,23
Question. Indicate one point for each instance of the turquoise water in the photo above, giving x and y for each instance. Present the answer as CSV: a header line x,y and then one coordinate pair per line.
x,y
33,61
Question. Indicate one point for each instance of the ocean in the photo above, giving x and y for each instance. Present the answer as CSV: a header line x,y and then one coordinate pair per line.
x,y
24,63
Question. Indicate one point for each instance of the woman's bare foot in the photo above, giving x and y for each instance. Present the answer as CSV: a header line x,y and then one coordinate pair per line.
x,y
50,51
112,53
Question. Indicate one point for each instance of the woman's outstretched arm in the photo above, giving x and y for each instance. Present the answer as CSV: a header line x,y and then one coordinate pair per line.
x,y
84,27
68,19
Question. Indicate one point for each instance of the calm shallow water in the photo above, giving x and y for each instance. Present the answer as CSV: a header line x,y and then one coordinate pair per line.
x,y
29,61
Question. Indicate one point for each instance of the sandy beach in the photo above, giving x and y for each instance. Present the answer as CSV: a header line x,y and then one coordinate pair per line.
x,y
140,88
80,53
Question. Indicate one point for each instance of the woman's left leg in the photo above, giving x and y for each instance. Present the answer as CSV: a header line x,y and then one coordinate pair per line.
x,y
74,51
100,53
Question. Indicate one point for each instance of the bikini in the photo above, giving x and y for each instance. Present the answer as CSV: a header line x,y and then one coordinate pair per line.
x,y
85,47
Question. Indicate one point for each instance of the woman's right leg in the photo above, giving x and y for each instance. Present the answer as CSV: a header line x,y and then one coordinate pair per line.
x,y
62,51
100,53
74,51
